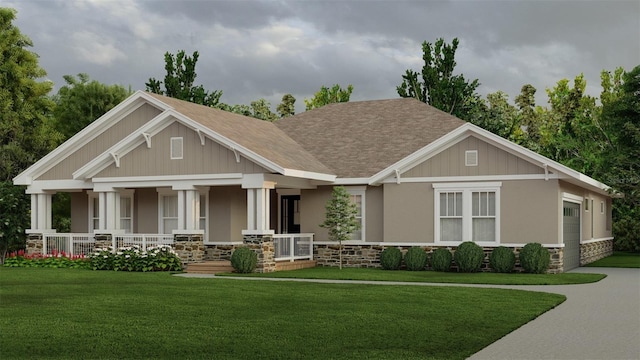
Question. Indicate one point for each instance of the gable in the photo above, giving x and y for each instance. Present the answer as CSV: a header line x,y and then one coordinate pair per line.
x,y
64,169
210,158
491,161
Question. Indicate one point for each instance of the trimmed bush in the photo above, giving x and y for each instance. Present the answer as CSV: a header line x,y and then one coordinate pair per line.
x,y
415,259
244,260
441,259
502,259
469,257
534,258
391,258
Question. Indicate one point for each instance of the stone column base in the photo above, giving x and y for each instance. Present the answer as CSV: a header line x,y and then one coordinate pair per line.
x,y
189,247
35,245
264,247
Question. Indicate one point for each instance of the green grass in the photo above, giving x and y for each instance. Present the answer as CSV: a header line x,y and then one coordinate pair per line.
x,y
83,314
619,259
431,276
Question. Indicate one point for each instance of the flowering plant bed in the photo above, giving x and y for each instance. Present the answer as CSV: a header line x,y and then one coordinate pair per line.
x,y
133,258
55,260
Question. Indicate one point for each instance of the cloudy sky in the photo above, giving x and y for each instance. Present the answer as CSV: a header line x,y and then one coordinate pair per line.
x,y
265,49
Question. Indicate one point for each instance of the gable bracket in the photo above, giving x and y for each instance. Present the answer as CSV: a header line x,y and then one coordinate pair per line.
x,y
397,176
546,172
116,158
202,138
147,138
237,154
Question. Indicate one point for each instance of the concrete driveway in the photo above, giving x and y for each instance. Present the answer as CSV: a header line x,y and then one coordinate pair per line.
x,y
598,321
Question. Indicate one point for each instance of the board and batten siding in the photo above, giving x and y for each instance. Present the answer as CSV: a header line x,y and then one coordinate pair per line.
x,y
115,133
491,161
212,158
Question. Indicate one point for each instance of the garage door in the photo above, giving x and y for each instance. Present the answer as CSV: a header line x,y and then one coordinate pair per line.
x,y
571,235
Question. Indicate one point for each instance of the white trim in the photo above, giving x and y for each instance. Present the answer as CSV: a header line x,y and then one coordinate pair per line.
x,y
465,185
162,193
352,181
147,138
433,179
572,198
591,241
193,177
575,199
39,186
177,148
360,191
202,138
308,175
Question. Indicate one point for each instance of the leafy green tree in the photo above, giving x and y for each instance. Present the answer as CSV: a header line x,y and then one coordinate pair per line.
x,y
178,82
26,132
436,85
81,101
325,95
500,117
261,109
529,117
621,167
340,217
287,106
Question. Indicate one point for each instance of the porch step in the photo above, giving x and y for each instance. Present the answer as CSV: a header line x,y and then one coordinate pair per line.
x,y
295,265
209,267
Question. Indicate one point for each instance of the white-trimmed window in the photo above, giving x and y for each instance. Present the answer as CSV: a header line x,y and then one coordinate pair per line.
x,y
94,212
204,212
126,211
358,198
168,213
467,212
176,148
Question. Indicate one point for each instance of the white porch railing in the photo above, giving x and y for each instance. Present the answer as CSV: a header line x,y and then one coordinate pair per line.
x,y
70,244
142,240
293,246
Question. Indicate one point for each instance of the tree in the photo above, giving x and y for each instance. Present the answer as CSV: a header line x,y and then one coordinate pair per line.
x,y
499,117
261,109
287,106
335,94
178,82
529,117
436,85
26,132
340,217
81,101
621,165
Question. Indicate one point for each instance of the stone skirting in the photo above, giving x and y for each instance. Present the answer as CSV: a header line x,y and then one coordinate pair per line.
x,y
368,256
190,248
34,244
264,247
594,251
219,252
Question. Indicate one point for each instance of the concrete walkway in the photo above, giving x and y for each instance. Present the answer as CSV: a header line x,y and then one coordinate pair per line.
x,y
597,321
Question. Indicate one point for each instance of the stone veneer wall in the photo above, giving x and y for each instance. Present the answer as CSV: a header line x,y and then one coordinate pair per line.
x,y
264,246
190,248
219,252
595,251
34,244
368,256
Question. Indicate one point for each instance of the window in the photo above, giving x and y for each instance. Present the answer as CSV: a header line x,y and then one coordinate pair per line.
x,y
358,198
176,148
203,212
94,212
467,212
126,213
601,207
169,213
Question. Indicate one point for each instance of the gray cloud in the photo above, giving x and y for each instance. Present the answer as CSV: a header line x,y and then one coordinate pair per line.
x,y
254,49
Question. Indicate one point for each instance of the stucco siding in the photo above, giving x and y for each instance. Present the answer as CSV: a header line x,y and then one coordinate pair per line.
x,y
312,211
104,141
79,212
594,221
529,212
491,161
145,210
212,158
408,213
374,214
227,213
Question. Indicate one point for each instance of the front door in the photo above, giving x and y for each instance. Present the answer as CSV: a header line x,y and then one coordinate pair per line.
x,y
290,214
571,235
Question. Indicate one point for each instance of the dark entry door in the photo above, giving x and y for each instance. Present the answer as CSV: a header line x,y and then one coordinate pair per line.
x,y
290,214
571,235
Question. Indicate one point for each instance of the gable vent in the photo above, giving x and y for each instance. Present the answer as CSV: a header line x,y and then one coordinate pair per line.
x,y
176,148
471,158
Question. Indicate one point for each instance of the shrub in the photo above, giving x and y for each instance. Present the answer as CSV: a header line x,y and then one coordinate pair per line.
x,y
469,257
415,259
56,260
534,258
441,259
244,260
391,258
502,259
132,258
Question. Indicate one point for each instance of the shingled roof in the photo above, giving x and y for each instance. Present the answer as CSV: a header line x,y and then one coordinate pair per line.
x,y
261,137
359,139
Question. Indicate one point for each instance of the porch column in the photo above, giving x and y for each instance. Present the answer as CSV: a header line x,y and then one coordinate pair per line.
x,y
258,209
41,212
109,210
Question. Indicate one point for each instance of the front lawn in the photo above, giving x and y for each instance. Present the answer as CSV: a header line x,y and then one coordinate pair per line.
x,y
83,314
619,259
335,273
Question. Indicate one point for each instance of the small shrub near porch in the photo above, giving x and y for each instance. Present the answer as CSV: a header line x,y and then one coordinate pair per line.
x,y
132,258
